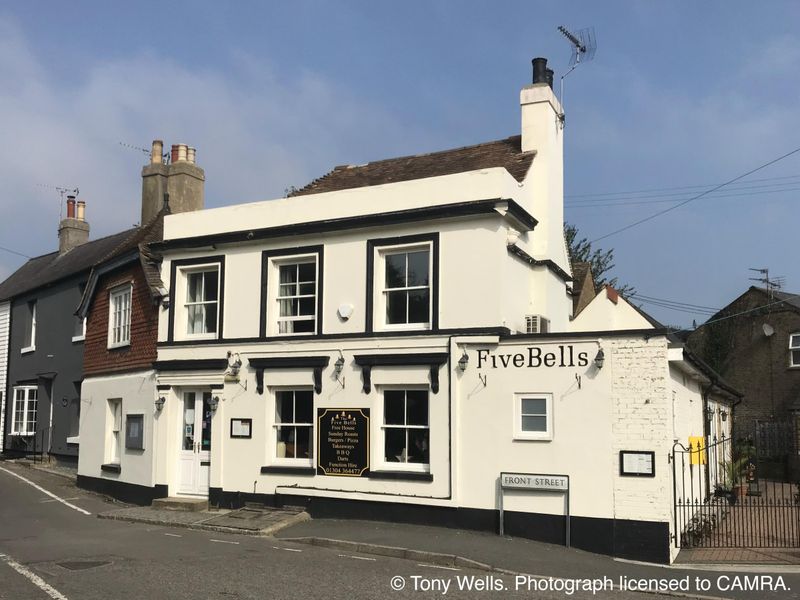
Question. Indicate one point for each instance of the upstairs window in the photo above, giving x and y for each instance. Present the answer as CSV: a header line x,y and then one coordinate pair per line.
x,y
202,302
24,410
403,283
533,416
29,340
79,324
297,297
291,284
119,316
794,350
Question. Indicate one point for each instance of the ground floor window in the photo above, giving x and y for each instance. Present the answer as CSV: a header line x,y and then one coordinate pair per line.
x,y
294,424
533,416
406,429
24,410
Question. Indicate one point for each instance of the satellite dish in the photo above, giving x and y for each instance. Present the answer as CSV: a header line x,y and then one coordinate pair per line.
x,y
768,329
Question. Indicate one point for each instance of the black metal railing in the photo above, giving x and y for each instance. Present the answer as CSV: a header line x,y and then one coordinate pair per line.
x,y
721,501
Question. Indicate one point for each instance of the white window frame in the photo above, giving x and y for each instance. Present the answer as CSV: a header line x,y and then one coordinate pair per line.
x,y
380,290
120,292
82,336
28,427
294,462
183,321
384,464
115,433
794,346
519,433
273,298
32,346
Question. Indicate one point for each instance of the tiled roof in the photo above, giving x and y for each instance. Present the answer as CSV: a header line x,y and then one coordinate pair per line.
x,y
50,268
505,153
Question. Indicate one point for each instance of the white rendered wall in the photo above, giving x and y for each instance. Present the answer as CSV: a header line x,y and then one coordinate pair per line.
x,y
480,283
137,391
601,314
5,322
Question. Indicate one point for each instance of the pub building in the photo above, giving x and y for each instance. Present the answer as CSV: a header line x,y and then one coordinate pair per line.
x,y
388,340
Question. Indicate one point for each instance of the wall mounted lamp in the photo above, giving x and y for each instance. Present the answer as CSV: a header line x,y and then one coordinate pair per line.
x,y
463,361
599,359
709,413
213,403
724,415
160,401
338,367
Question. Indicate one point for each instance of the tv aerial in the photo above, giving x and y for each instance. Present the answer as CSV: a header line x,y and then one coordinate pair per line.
x,y
584,45
62,191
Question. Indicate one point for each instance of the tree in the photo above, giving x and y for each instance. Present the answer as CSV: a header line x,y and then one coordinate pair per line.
x,y
601,261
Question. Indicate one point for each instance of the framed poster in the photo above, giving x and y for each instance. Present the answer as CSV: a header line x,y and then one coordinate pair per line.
x,y
134,432
637,463
242,428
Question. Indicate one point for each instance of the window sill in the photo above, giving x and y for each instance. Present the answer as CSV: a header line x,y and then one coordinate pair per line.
x,y
21,434
525,438
111,468
78,338
27,350
76,439
402,475
118,346
288,470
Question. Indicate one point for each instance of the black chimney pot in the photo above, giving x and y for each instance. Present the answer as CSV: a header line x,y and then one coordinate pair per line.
x,y
549,73
539,70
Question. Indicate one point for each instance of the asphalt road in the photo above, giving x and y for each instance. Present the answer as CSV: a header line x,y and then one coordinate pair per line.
x,y
75,556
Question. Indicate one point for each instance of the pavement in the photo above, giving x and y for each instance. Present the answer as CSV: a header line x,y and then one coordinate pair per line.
x,y
407,549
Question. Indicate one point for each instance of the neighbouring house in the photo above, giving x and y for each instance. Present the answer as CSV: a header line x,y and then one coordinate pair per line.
x,y
399,340
121,305
754,342
42,384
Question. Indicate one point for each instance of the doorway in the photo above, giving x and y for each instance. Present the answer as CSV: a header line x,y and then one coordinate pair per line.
x,y
195,450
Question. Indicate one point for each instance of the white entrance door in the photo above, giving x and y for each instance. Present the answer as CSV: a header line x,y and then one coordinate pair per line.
x,y
195,452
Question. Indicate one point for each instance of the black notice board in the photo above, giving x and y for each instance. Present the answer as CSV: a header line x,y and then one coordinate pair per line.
x,y
343,442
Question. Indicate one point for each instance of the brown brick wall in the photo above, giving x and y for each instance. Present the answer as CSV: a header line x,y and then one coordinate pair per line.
x,y
140,354
753,363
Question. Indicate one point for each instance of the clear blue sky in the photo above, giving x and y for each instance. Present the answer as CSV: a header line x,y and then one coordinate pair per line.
x,y
275,94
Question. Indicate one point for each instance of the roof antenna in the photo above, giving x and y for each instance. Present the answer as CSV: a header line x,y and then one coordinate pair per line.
x,y
62,191
771,284
584,45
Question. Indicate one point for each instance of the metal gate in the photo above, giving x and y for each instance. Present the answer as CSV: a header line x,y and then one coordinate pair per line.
x,y
727,496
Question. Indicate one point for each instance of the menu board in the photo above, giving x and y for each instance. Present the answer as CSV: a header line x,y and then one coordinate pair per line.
x,y
343,442
637,463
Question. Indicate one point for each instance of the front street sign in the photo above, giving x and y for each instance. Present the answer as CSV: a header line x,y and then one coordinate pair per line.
x,y
534,482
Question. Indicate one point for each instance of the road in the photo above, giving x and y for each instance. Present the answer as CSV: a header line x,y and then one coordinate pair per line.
x,y
49,550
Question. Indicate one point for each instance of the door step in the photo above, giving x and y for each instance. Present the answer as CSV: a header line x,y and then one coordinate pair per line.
x,y
181,503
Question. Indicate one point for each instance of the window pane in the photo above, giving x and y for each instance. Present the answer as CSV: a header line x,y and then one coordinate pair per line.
x,y
303,406
306,307
283,404
210,291
395,449
288,308
794,341
394,407
286,435
307,271
211,318
303,442
418,446
534,424
307,289
396,307
417,407
288,273
418,306
196,315
795,358
194,287
534,406
299,327
418,268
395,270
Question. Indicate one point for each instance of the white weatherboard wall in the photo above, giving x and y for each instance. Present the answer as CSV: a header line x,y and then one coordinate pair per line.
x,y
137,391
5,322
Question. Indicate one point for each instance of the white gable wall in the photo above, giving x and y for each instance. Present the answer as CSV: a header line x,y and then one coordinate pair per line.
x,y
5,322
